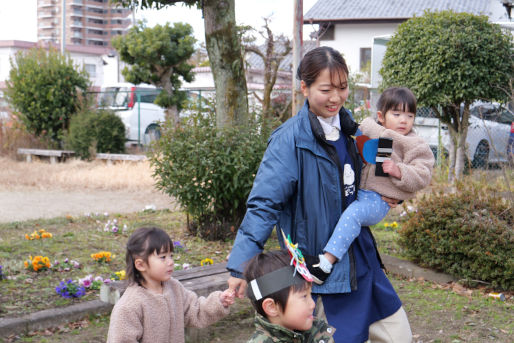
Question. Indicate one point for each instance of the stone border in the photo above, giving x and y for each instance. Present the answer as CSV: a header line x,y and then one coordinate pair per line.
x,y
54,317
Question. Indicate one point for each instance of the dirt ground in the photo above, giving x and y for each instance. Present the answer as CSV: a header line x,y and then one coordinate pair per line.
x,y
19,205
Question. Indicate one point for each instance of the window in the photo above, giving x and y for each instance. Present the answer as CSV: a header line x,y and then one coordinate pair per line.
x,y
90,69
326,32
365,58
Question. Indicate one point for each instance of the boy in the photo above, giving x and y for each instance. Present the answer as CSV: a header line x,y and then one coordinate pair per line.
x,y
283,302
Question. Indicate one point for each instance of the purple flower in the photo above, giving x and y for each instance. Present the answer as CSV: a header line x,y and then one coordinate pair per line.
x,y
70,289
115,229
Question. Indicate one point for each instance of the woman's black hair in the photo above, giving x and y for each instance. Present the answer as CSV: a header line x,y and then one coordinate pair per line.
x,y
397,98
142,243
319,59
268,262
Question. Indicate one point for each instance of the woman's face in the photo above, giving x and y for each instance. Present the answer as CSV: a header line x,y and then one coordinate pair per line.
x,y
327,94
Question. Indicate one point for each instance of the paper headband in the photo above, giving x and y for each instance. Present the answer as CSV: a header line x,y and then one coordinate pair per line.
x,y
283,277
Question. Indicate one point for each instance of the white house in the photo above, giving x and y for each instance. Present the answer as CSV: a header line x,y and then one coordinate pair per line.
x,y
349,26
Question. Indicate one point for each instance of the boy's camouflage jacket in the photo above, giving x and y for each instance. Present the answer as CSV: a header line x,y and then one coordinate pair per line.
x,y
265,332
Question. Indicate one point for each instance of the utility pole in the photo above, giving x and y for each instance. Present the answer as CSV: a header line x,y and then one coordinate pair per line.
x,y
63,28
297,96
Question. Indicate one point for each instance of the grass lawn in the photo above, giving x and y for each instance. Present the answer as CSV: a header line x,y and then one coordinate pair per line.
x,y
438,313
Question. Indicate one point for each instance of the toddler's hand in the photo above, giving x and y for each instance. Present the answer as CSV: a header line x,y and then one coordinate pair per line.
x,y
227,297
392,169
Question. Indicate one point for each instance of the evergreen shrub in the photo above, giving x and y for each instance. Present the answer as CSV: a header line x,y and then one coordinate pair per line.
x,y
467,234
94,131
209,171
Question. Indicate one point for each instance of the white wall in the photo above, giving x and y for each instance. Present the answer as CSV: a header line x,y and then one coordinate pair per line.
x,y
349,38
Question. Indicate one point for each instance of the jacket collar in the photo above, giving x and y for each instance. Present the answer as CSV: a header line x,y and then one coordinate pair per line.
x,y
280,334
310,128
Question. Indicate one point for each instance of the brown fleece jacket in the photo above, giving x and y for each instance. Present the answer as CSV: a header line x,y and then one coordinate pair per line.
x,y
410,153
142,316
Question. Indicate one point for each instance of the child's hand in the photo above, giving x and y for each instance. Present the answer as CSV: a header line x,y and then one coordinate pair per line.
x,y
392,169
227,297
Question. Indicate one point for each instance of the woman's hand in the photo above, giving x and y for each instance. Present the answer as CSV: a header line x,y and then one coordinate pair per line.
x,y
238,286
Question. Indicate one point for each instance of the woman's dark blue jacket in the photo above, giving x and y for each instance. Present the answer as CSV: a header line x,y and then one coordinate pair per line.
x,y
298,189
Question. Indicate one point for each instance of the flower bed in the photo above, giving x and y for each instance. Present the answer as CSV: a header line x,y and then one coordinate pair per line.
x,y
81,255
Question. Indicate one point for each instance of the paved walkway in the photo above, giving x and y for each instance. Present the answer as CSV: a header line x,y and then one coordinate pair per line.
x,y
54,317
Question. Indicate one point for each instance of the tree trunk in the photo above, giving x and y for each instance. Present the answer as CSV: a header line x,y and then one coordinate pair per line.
x,y
458,134
224,49
171,113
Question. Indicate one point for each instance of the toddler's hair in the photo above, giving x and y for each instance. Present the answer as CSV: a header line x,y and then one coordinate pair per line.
x,y
268,262
397,98
318,59
142,243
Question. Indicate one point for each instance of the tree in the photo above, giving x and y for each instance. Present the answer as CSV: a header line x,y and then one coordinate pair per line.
x,y
449,60
46,89
159,56
225,57
272,55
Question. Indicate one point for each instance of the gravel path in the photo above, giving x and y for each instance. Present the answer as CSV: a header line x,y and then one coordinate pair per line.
x,y
28,204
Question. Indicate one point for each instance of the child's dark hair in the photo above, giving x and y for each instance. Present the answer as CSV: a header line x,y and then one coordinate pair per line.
x,y
268,262
318,59
397,98
142,243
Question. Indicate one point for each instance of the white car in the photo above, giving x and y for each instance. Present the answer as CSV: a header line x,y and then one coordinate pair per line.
x,y
135,106
488,133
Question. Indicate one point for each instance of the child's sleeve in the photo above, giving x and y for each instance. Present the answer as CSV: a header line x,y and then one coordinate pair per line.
x,y
416,167
202,311
369,127
125,325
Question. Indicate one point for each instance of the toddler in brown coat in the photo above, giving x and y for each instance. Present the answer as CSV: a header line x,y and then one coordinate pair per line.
x,y
155,307
407,171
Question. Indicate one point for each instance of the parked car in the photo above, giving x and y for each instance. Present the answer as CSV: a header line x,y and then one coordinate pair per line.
x,y
510,146
136,108
489,128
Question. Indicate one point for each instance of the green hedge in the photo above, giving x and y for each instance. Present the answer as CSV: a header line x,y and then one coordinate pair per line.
x,y
96,131
467,234
209,171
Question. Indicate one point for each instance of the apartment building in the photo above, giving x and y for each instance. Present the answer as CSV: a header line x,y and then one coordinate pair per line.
x,y
86,22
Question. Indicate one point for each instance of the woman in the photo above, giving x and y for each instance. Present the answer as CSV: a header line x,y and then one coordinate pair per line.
x,y
309,174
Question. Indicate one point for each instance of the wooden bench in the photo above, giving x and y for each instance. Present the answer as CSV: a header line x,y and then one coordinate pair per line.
x,y
202,280
54,155
110,158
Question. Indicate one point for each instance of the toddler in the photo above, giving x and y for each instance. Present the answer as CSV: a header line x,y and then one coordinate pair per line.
x,y
155,307
409,169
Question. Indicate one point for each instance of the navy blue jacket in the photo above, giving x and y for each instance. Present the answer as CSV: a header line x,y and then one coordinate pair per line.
x,y
298,188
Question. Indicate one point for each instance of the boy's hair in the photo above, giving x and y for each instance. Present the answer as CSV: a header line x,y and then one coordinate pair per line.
x,y
319,59
142,243
397,98
264,263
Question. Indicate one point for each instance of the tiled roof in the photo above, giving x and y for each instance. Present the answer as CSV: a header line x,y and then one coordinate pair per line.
x,y
388,9
254,61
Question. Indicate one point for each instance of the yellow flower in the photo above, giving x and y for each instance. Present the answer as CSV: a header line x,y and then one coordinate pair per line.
x,y
102,256
386,224
206,261
394,225
121,274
